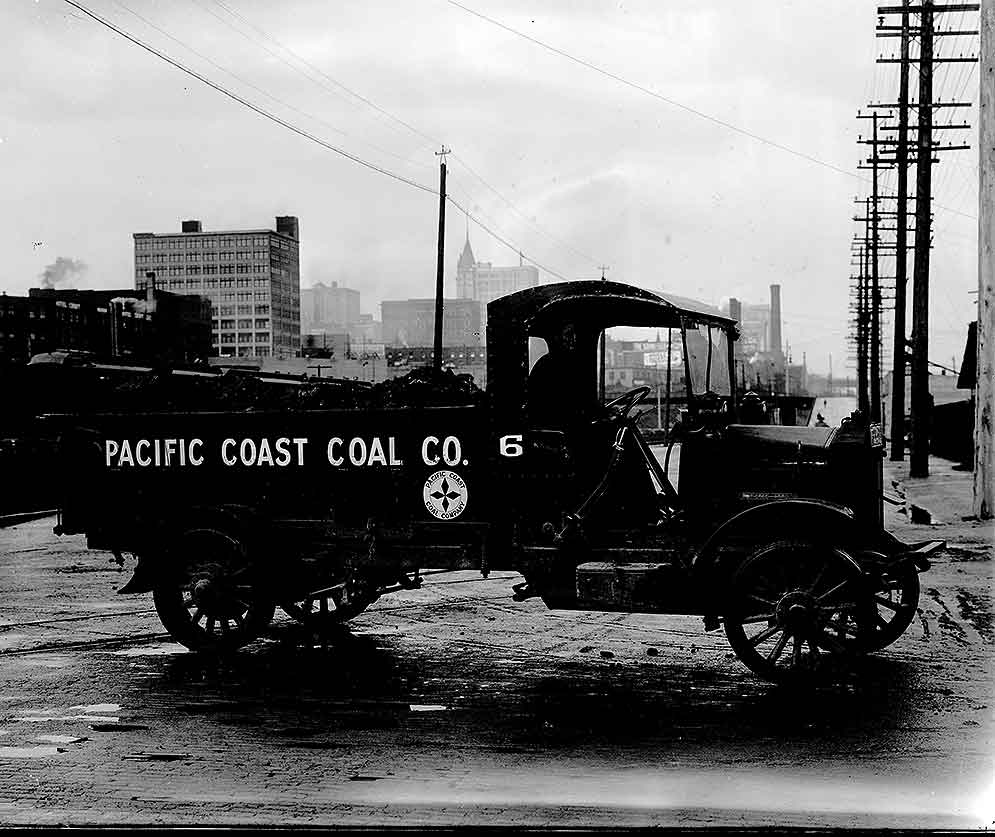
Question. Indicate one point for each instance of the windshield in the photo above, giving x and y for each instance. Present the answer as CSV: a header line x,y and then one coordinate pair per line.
x,y
708,358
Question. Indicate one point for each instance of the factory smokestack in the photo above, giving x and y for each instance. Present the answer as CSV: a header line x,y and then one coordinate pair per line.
x,y
775,319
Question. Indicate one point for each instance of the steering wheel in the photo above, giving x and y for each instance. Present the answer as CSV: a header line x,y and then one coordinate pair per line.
x,y
623,405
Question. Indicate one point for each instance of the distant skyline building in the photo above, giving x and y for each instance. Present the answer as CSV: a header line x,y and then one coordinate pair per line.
x,y
251,277
411,322
483,282
329,308
754,324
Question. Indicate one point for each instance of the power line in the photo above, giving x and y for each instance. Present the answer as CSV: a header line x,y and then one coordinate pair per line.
x,y
460,161
369,102
432,140
242,101
650,92
299,131
271,97
504,241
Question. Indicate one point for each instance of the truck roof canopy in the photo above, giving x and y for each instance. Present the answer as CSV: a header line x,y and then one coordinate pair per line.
x,y
596,304
590,306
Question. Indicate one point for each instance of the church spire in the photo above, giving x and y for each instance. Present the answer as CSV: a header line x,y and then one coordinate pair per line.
x,y
466,259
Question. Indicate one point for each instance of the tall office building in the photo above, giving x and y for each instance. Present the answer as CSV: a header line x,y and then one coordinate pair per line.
x,y
411,322
328,309
481,281
251,277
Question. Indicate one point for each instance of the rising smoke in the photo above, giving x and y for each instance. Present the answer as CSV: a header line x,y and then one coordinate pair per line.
x,y
62,270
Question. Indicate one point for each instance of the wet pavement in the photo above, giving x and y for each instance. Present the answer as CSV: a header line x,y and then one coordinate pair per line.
x,y
453,705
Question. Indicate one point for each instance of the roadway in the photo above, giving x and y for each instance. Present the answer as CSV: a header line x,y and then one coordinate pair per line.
x,y
453,705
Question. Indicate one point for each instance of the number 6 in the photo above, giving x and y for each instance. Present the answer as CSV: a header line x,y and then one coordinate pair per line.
x,y
511,445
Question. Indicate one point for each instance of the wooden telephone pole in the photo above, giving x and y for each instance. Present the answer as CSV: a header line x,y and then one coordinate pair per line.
x,y
439,309
924,150
984,396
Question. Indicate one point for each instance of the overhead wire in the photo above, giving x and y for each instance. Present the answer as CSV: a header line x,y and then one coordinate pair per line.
x,y
297,129
673,102
151,24
457,158
245,102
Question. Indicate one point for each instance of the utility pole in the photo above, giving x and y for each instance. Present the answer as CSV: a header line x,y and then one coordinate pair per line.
x,y
924,149
669,334
900,344
439,312
984,394
601,364
875,330
863,399
919,452
872,246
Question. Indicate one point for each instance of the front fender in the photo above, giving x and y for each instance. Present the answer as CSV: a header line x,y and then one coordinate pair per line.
x,y
778,519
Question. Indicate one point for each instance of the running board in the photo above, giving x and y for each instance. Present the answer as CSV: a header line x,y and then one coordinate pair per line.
x,y
634,587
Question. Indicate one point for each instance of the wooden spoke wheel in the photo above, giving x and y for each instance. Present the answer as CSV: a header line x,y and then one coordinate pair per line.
x,y
331,606
795,609
896,598
211,600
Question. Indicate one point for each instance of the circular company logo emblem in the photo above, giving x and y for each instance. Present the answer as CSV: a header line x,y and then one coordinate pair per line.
x,y
445,495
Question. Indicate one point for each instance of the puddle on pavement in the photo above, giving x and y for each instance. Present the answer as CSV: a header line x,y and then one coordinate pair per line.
x,y
102,708
60,739
427,707
35,719
41,751
10,640
156,756
118,727
168,649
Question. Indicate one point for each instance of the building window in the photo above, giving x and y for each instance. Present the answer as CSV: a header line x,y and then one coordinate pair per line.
x,y
228,325
245,337
262,337
262,309
245,323
262,323
227,338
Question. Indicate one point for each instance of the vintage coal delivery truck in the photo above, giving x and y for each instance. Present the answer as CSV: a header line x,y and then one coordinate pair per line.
x,y
774,534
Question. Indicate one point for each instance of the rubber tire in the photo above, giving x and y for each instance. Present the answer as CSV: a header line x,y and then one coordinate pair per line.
x,y
169,592
737,637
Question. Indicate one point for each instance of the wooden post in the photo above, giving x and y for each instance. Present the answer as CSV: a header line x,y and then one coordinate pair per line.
x,y
984,394
899,345
439,312
874,332
919,449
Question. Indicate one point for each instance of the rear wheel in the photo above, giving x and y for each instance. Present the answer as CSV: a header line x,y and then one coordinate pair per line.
x,y
795,609
212,599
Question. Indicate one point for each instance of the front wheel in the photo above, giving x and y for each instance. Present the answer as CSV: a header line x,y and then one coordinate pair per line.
x,y
795,609
211,600
896,598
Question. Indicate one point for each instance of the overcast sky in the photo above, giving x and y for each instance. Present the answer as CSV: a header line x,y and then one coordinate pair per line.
x,y
100,139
